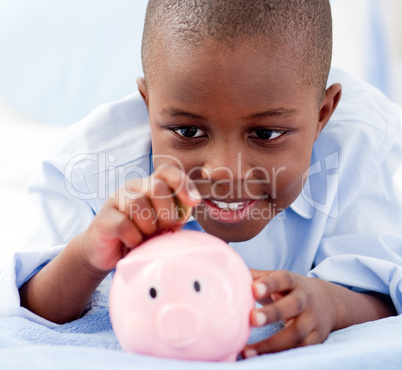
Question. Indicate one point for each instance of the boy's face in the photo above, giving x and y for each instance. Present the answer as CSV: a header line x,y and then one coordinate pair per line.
x,y
242,126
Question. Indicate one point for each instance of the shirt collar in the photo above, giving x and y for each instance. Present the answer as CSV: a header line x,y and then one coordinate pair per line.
x,y
302,205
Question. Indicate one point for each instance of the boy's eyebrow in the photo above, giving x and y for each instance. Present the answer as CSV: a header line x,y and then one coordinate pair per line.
x,y
277,112
174,112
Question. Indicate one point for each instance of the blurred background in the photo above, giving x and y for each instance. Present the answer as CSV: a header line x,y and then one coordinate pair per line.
x,y
59,59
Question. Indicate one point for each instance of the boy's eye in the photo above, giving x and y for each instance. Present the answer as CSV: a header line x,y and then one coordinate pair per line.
x,y
264,134
190,131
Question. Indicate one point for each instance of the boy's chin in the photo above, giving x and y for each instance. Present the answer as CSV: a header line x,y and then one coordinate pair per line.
x,y
234,232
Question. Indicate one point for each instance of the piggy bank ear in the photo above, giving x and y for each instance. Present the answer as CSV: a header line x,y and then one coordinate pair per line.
x,y
129,267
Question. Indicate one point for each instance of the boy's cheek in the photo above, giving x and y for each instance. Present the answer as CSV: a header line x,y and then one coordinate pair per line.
x,y
287,187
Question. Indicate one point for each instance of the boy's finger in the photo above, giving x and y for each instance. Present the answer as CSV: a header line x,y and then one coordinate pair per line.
x,y
143,215
182,186
274,282
258,273
126,230
164,206
136,205
290,306
183,211
313,338
293,335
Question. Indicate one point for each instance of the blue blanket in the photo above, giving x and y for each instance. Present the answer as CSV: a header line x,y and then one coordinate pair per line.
x,y
89,343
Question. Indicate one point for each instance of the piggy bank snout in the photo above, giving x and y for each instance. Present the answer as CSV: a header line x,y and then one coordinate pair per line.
x,y
178,325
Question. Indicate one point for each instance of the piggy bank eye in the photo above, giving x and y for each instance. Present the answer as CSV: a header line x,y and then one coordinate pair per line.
x,y
197,286
153,293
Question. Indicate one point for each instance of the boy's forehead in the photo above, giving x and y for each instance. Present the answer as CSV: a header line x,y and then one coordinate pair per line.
x,y
251,59
171,52
259,74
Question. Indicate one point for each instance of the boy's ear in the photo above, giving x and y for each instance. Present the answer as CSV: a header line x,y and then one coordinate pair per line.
x,y
328,105
143,89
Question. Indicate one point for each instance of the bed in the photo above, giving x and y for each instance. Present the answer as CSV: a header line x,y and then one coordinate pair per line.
x,y
89,343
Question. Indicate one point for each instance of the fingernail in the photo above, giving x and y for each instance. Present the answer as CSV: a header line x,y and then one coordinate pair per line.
x,y
261,289
260,318
250,352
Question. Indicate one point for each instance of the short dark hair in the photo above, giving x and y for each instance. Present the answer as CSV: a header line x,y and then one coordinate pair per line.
x,y
303,26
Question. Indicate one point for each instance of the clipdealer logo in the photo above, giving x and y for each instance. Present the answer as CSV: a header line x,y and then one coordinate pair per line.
x,y
326,198
107,174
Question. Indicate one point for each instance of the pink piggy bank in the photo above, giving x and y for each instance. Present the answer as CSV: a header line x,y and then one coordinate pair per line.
x,y
184,295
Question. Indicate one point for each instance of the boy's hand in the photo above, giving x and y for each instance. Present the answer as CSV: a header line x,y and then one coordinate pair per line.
x,y
141,208
304,304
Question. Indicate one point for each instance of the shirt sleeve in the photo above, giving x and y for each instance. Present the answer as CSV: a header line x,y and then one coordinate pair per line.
x,y
72,186
61,217
361,248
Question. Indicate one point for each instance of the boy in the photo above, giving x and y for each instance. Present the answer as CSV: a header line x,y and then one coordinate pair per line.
x,y
238,110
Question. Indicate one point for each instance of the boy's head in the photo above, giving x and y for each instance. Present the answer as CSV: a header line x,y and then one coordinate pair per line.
x,y
236,96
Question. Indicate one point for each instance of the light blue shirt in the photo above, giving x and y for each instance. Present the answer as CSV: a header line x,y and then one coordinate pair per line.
x,y
345,226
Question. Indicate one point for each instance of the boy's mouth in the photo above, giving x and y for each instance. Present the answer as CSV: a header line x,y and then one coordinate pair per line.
x,y
233,206
229,212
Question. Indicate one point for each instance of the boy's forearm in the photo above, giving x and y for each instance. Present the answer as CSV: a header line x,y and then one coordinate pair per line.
x,y
354,308
61,290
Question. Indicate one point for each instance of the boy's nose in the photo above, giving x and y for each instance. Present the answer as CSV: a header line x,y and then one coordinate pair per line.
x,y
223,166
